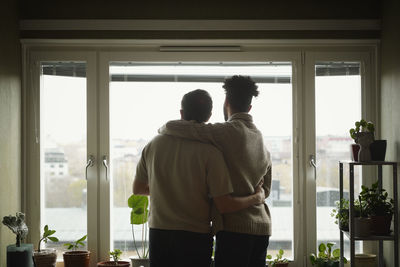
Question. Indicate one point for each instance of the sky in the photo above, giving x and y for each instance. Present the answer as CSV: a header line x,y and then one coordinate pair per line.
x,y
138,109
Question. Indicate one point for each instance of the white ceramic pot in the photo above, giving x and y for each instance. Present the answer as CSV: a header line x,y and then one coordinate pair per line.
x,y
136,262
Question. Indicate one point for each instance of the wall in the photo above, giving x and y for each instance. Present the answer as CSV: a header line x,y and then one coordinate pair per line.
x,y
200,9
10,120
390,88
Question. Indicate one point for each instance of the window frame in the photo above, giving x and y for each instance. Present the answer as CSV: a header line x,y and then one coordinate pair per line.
x,y
98,54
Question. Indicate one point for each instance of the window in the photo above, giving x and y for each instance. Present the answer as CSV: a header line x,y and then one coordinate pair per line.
x,y
91,111
157,89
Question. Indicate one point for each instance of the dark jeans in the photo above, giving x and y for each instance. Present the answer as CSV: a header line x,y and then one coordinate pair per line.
x,y
240,250
172,248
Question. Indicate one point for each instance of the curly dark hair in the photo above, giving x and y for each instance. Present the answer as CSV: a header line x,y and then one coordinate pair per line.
x,y
240,91
196,105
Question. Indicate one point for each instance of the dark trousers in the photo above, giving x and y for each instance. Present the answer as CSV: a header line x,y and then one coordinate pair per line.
x,y
240,250
172,248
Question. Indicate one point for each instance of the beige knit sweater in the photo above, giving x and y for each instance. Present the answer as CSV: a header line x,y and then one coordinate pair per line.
x,y
247,159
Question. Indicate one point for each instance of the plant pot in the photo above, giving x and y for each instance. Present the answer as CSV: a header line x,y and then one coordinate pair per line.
x,y
380,225
112,264
20,256
362,226
136,262
365,139
76,258
378,150
45,258
365,260
328,264
354,148
286,264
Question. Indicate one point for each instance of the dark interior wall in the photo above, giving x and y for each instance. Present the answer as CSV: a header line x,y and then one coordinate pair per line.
x,y
390,92
10,119
201,9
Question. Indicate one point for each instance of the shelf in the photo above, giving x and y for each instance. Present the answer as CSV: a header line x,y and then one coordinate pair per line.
x,y
369,162
371,237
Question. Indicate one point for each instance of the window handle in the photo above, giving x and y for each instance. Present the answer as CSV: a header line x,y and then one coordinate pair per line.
x,y
89,163
313,164
105,164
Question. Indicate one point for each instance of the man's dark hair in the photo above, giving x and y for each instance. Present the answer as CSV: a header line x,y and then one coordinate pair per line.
x,y
196,105
240,91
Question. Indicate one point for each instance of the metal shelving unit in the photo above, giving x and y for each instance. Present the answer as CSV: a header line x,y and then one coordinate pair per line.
x,y
393,237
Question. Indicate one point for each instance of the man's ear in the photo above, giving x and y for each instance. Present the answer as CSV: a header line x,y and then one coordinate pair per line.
x,y
250,106
181,111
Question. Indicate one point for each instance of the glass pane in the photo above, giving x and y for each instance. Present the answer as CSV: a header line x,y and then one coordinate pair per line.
x,y
156,91
338,106
63,151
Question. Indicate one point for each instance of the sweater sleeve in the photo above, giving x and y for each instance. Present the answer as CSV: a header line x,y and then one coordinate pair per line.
x,y
268,177
206,133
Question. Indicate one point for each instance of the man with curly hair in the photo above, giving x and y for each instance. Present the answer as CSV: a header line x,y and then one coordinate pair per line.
x,y
242,237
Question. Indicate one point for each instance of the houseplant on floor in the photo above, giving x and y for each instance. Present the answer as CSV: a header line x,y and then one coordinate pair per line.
x,y
46,257
116,255
279,261
75,257
380,208
139,216
326,256
18,254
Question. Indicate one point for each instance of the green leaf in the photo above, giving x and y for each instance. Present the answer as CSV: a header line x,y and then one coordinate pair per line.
x,y
330,244
269,257
54,239
139,205
46,228
336,253
281,252
82,238
321,247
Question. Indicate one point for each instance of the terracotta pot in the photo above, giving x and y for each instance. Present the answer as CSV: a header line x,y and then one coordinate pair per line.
x,y
378,150
140,262
380,225
362,226
76,258
45,258
112,264
354,148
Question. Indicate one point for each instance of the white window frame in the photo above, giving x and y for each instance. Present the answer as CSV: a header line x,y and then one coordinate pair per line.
x,y
98,54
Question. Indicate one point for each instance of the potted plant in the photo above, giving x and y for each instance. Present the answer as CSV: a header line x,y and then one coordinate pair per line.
x,y
279,261
341,215
380,207
139,216
326,256
18,254
363,135
362,222
75,257
116,256
46,257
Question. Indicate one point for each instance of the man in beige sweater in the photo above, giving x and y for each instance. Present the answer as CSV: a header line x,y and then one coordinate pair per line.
x,y
244,238
180,176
